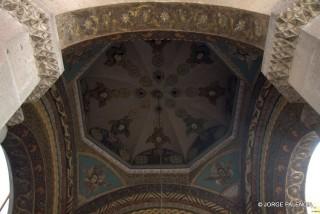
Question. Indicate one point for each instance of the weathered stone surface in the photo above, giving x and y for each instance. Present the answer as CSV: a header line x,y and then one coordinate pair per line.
x,y
305,74
285,25
41,28
18,71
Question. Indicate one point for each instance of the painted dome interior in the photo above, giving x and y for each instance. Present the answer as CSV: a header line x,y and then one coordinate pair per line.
x,y
158,101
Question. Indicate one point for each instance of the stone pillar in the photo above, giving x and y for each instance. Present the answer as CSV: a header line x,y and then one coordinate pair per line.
x,y
18,70
3,133
30,56
305,72
291,57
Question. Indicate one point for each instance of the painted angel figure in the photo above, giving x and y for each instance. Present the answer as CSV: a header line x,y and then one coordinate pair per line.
x,y
95,178
221,173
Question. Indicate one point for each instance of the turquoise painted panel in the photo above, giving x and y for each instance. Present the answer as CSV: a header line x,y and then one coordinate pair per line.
x,y
95,177
221,173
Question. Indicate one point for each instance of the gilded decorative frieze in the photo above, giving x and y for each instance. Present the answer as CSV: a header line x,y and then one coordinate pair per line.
x,y
86,24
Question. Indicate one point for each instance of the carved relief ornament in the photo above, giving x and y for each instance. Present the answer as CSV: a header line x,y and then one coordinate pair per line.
x,y
209,20
284,29
41,30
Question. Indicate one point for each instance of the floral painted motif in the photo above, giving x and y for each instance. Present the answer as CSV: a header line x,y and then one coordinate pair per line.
x,y
115,55
193,125
152,16
220,174
212,92
200,54
158,138
95,177
100,93
121,126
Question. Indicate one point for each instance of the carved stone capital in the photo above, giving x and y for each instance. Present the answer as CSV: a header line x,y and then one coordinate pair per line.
x,y
42,31
285,25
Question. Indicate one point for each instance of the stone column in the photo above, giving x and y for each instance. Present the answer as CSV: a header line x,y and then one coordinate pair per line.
x,y
3,133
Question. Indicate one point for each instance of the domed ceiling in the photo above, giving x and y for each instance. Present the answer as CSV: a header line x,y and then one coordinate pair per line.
x,y
157,102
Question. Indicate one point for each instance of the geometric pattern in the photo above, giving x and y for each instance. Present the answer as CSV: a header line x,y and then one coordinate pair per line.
x,y
154,193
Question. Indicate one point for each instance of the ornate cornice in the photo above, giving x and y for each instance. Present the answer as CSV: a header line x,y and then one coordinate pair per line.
x,y
46,50
284,31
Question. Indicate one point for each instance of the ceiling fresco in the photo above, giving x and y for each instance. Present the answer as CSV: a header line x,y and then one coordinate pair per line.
x,y
222,175
158,101
95,177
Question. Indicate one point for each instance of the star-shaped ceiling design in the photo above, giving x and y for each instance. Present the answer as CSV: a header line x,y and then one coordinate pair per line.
x,y
157,102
